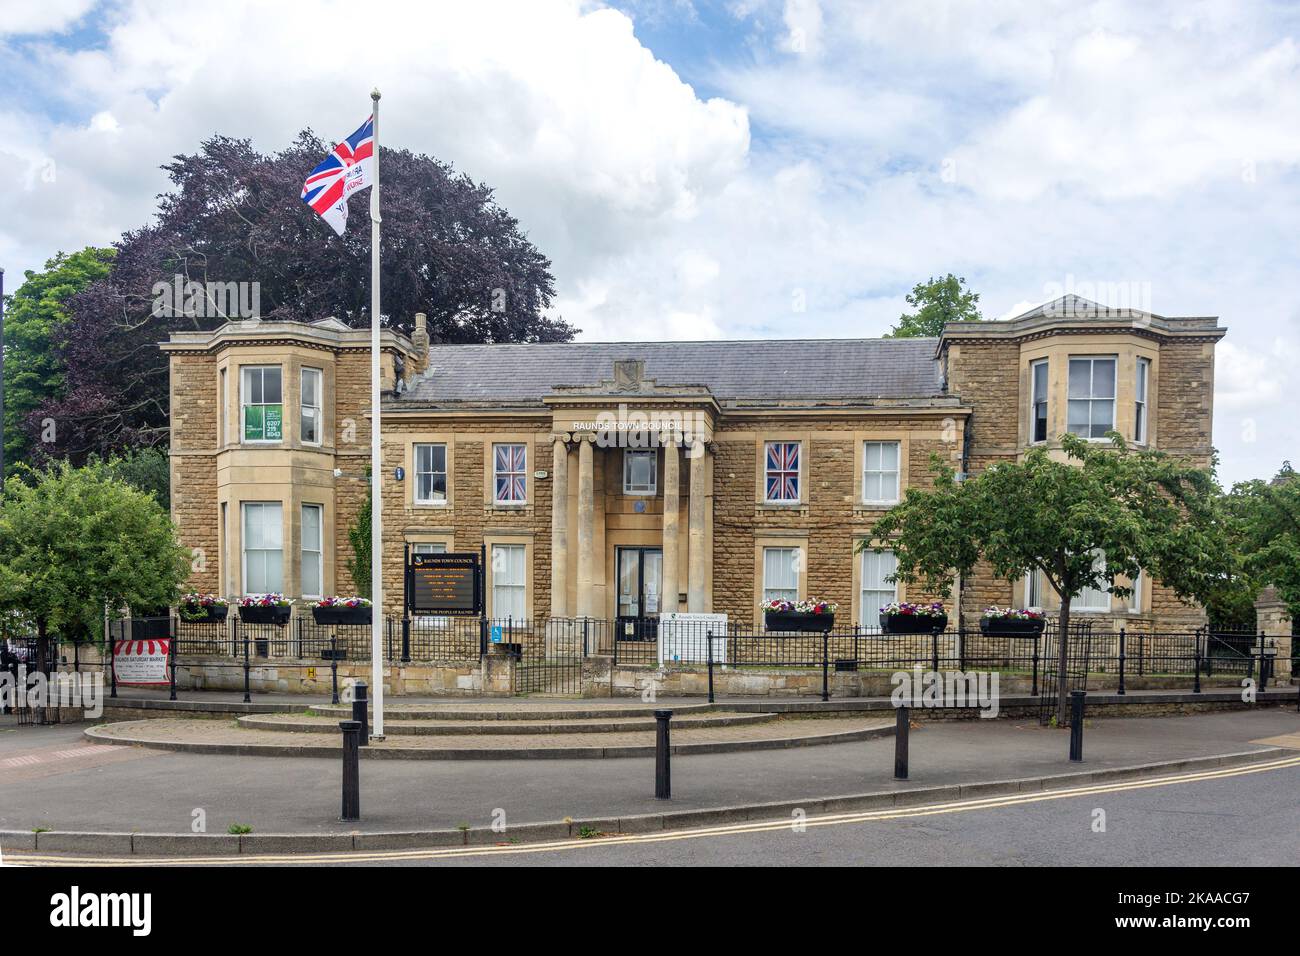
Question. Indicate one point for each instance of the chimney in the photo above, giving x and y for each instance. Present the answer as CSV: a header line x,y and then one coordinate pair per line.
x,y
420,339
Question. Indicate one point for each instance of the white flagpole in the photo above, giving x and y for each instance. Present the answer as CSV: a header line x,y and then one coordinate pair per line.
x,y
376,459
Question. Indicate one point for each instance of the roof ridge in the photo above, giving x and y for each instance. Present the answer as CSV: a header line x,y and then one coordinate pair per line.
x,y
667,342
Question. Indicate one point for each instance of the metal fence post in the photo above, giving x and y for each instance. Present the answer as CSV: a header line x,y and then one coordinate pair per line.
x,y
663,768
1196,665
334,670
352,740
826,687
961,645
1076,724
1034,690
171,654
360,703
248,697
112,662
1122,641
406,639
708,641
934,649
902,724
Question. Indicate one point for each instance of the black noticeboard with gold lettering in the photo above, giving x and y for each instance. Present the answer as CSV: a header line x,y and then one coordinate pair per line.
x,y
446,583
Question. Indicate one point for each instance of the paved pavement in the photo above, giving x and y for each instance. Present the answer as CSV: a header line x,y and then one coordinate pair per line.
x,y
158,791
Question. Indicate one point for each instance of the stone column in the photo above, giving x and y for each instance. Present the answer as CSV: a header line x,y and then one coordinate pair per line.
x,y
1273,621
672,509
695,530
586,526
560,527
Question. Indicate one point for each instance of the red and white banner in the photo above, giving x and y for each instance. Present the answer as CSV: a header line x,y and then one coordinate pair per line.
x,y
141,662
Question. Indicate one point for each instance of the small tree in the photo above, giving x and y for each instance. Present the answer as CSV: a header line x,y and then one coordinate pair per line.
x,y
1265,519
937,302
1142,510
359,538
73,540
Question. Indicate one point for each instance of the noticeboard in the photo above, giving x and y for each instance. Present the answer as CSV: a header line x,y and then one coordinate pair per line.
x,y
446,583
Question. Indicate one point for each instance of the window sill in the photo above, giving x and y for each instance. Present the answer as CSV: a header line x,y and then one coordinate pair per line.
x,y
874,506
431,505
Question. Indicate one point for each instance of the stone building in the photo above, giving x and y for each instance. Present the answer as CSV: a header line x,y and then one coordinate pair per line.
x,y
623,480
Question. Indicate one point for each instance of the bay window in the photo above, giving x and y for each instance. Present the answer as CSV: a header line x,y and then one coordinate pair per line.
x,y
263,547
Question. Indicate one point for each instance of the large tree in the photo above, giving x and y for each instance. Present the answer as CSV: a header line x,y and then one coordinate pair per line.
x,y
937,303
34,316
234,216
1142,510
74,540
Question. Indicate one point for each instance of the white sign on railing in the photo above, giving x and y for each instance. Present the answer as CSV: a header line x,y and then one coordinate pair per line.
x,y
683,638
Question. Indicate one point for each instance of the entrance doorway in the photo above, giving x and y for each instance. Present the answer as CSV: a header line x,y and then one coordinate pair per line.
x,y
640,585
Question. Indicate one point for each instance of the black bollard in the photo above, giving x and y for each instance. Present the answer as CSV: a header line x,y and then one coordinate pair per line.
x,y
360,702
663,769
352,740
901,726
1076,724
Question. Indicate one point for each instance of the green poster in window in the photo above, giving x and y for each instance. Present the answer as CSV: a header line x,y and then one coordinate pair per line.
x,y
253,423
273,430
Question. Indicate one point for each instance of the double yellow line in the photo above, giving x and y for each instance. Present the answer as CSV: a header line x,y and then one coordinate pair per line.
x,y
737,829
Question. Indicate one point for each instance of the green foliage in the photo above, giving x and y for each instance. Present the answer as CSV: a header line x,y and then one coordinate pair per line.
x,y
34,315
239,829
144,469
937,302
73,540
1145,510
1265,519
359,538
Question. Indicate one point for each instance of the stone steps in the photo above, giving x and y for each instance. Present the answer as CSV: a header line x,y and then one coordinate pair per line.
x,y
299,723
508,710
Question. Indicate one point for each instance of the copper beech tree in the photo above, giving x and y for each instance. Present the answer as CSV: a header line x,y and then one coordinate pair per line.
x,y
1087,519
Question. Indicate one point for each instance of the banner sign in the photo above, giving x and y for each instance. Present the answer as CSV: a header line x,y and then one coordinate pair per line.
x,y
683,638
447,583
141,662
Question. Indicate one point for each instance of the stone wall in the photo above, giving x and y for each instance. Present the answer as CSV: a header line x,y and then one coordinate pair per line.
x,y
194,465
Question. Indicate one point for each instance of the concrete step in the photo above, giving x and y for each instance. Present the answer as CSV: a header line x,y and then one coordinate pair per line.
x,y
438,727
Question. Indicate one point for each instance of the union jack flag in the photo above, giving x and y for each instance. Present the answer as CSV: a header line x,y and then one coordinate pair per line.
x,y
783,471
345,170
511,463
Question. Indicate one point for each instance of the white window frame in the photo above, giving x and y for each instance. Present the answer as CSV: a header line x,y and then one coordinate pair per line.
x,y
1091,398
869,609
319,553
518,590
415,464
897,472
1035,401
1135,599
1099,563
1035,589
245,404
798,473
631,489
775,590
523,473
1141,410
244,511
316,409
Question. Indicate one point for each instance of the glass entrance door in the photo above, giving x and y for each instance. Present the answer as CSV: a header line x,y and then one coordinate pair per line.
x,y
640,584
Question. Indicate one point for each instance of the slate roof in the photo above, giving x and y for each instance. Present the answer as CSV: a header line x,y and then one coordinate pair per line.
x,y
809,369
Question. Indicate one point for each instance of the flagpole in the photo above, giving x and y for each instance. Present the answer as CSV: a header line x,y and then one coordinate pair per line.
x,y
376,458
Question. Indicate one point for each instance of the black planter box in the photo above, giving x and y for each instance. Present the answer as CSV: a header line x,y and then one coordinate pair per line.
x,y
204,615
912,623
1011,627
343,615
844,664
797,621
151,628
265,615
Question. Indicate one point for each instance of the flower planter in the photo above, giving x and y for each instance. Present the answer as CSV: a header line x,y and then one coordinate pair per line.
x,y
912,623
265,615
204,615
797,621
1011,627
342,615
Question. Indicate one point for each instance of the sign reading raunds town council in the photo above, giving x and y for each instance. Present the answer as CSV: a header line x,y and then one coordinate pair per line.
x,y
446,583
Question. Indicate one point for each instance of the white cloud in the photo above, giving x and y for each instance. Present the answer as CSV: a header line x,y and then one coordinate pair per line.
x,y
23,17
1023,145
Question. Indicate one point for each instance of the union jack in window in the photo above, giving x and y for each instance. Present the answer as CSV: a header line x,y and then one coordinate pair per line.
x,y
510,467
783,471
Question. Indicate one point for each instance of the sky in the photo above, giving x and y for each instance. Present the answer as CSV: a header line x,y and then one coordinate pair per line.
x,y
739,168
